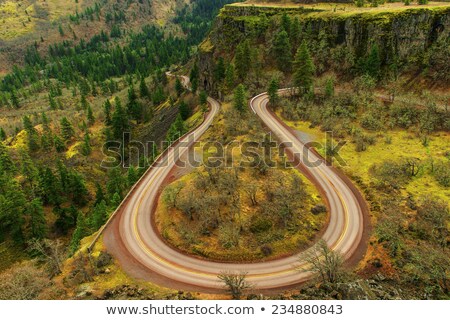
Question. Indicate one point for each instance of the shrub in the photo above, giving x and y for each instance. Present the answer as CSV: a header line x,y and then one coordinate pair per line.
x,y
260,225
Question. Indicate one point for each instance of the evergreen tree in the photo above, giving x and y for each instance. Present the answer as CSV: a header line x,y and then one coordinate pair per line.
x,y
184,110
243,60
304,69
282,50
52,102
12,204
116,183
86,147
272,91
373,63
329,88
59,144
99,215
90,116
230,77
2,134
80,232
37,222
77,188
240,98
176,130
116,199
286,23
49,186
296,31
45,123
6,164
143,89
203,98
107,110
179,87
134,108
67,130
120,122
15,100
32,134
99,194
219,70
132,176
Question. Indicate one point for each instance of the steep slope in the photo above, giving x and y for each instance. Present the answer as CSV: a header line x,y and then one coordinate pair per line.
x,y
408,39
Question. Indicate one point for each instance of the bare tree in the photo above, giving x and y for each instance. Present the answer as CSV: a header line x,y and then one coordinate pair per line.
x,y
22,282
328,264
171,194
50,252
235,283
251,190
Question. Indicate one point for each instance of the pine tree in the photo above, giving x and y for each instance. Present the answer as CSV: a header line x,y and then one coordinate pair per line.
x,y
219,70
99,215
59,144
90,116
15,100
230,77
179,87
283,51
67,130
203,98
37,222
286,23
45,123
86,147
116,199
329,88
80,232
32,134
99,194
296,32
143,89
134,108
6,164
2,134
12,204
52,102
107,110
49,186
240,98
176,130
120,122
243,60
373,62
77,188
116,183
304,69
184,110
132,176
272,91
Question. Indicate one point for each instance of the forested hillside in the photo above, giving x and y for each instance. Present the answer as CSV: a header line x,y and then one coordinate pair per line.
x,y
86,75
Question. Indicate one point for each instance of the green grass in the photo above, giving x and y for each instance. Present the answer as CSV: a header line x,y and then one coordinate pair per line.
x,y
404,145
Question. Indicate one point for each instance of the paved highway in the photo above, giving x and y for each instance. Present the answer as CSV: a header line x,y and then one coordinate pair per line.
x,y
134,241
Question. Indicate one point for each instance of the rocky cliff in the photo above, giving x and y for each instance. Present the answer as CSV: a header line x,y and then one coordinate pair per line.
x,y
339,40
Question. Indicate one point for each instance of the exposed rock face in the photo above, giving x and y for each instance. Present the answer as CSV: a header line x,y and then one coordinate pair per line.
x,y
403,37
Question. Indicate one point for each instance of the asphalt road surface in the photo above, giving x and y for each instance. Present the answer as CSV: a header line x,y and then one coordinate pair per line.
x,y
134,241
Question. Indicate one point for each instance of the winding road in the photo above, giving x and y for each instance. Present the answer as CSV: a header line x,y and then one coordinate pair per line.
x,y
133,239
